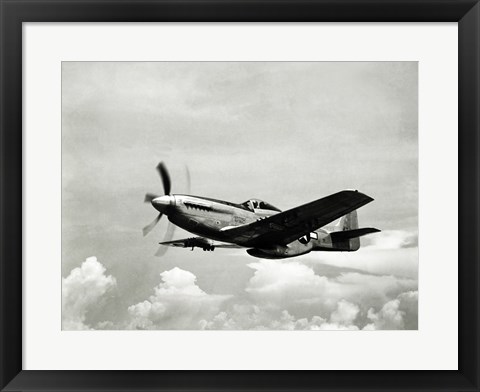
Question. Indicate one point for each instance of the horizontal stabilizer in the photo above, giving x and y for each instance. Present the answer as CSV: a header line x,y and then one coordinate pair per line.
x,y
347,234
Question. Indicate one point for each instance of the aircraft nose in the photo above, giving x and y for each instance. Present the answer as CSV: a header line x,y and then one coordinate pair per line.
x,y
163,202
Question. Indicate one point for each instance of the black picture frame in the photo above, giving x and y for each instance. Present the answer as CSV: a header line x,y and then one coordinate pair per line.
x,y
14,12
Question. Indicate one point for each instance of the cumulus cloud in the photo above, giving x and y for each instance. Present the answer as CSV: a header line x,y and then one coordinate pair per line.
x,y
177,303
84,287
281,295
296,287
256,318
346,313
290,295
400,313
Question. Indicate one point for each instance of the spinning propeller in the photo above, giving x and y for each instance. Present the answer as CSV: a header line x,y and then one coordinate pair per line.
x,y
159,201
149,197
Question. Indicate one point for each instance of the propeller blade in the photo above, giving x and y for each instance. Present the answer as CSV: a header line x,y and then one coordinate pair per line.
x,y
162,249
149,197
162,170
147,229
168,237
188,180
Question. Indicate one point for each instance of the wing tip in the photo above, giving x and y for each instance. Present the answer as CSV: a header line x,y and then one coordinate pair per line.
x,y
367,198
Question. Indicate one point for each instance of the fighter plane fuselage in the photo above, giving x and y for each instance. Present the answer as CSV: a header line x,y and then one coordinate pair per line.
x,y
209,217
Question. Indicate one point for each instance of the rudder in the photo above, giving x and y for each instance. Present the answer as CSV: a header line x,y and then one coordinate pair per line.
x,y
346,223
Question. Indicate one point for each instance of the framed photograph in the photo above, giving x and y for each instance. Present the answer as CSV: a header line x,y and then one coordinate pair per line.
x,y
239,195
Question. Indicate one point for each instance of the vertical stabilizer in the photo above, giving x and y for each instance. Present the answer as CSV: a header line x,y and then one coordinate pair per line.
x,y
346,223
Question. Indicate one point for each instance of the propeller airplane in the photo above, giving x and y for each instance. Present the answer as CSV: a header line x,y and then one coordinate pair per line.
x,y
266,231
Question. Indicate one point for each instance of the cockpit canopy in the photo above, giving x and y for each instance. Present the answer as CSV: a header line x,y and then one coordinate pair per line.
x,y
256,204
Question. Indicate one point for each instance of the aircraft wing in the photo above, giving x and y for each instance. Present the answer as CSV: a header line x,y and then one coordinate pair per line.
x,y
198,242
288,226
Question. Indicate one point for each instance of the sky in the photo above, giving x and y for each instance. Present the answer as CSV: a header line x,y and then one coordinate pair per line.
x,y
284,132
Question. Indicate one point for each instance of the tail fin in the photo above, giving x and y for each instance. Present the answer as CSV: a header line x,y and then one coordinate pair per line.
x,y
347,222
347,230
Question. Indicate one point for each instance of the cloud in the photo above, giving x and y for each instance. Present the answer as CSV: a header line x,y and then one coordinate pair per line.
x,y
385,253
296,287
279,283
83,287
345,313
255,318
177,303
290,295
392,239
400,313
281,295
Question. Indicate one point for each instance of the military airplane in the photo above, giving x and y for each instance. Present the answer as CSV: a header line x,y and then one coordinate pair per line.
x,y
263,229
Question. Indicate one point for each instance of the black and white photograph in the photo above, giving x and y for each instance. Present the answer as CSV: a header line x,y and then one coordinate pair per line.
x,y
240,196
